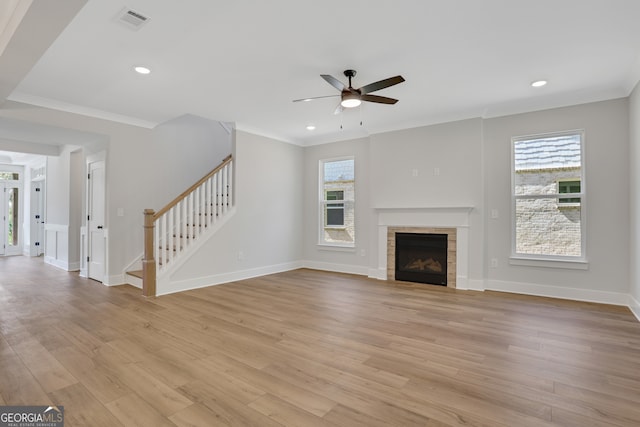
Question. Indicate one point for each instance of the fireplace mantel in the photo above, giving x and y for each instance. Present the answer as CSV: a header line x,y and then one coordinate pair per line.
x,y
456,217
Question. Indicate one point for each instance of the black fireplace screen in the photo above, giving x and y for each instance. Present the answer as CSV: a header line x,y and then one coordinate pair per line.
x,y
422,258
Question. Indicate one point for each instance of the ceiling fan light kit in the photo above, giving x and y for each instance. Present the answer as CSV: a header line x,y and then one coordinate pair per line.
x,y
350,97
350,100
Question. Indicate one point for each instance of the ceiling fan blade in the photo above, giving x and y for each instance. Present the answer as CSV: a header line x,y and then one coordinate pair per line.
x,y
339,109
372,87
333,82
379,99
314,97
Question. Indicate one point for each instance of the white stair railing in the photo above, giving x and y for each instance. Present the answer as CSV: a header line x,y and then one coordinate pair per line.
x,y
171,230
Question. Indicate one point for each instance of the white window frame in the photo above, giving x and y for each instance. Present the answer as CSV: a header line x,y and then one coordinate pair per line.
x,y
553,261
322,206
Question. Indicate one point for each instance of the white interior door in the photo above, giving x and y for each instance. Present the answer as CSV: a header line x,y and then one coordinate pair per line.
x,y
95,221
37,218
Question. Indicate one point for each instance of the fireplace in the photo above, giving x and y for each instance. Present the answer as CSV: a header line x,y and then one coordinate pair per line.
x,y
422,255
422,258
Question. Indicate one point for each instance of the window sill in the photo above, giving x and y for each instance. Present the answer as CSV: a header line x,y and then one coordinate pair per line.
x,y
569,264
335,227
336,248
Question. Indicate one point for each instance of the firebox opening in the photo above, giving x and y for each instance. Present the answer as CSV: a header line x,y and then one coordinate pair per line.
x,y
421,258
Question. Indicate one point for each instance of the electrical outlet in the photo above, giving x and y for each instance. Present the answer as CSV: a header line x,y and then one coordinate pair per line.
x,y
494,213
363,252
241,256
414,172
436,171
494,262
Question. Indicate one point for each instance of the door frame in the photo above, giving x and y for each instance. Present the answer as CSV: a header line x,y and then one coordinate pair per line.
x,y
86,236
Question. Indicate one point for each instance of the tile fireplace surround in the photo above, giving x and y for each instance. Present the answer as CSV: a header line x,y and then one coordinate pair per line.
x,y
451,249
453,221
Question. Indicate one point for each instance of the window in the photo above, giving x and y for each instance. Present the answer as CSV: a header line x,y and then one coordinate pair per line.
x,y
548,197
337,205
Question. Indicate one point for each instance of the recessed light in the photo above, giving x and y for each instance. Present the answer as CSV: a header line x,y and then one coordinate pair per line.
x,y
539,83
311,127
142,70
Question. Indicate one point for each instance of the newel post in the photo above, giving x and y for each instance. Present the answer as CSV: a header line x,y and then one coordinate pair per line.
x,y
148,262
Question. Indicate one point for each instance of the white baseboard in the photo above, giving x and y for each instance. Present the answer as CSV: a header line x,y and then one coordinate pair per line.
x,y
133,281
475,285
634,305
64,265
589,295
218,279
337,268
122,279
115,280
463,283
377,273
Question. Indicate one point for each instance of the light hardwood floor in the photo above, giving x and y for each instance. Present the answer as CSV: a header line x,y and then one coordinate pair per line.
x,y
310,348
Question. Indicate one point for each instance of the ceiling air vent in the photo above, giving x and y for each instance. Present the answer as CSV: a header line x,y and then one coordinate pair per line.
x,y
132,19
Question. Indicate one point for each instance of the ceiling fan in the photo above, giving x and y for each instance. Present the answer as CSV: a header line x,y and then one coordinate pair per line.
x,y
351,97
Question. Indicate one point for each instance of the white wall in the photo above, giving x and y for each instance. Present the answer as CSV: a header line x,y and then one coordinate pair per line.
x,y
265,233
606,128
57,207
634,156
354,260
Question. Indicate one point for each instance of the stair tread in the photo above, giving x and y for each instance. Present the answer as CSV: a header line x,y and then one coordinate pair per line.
x,y
135,273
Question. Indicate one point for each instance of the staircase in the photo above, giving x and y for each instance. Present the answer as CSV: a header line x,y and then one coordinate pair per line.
x,y
171,234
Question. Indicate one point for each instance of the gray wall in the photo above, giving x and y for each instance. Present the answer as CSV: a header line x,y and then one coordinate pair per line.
x,y
634,117
192,146
447,159
606,181
342,259
468,163
144,170
277,191
265,233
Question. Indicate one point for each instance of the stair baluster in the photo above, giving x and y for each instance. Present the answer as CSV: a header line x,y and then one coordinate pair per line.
x,y
173,228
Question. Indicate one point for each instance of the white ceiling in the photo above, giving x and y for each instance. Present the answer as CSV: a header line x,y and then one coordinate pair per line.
x,y
13,158
245,61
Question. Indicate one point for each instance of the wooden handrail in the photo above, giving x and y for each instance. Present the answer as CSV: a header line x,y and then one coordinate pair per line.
x,y
175,201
